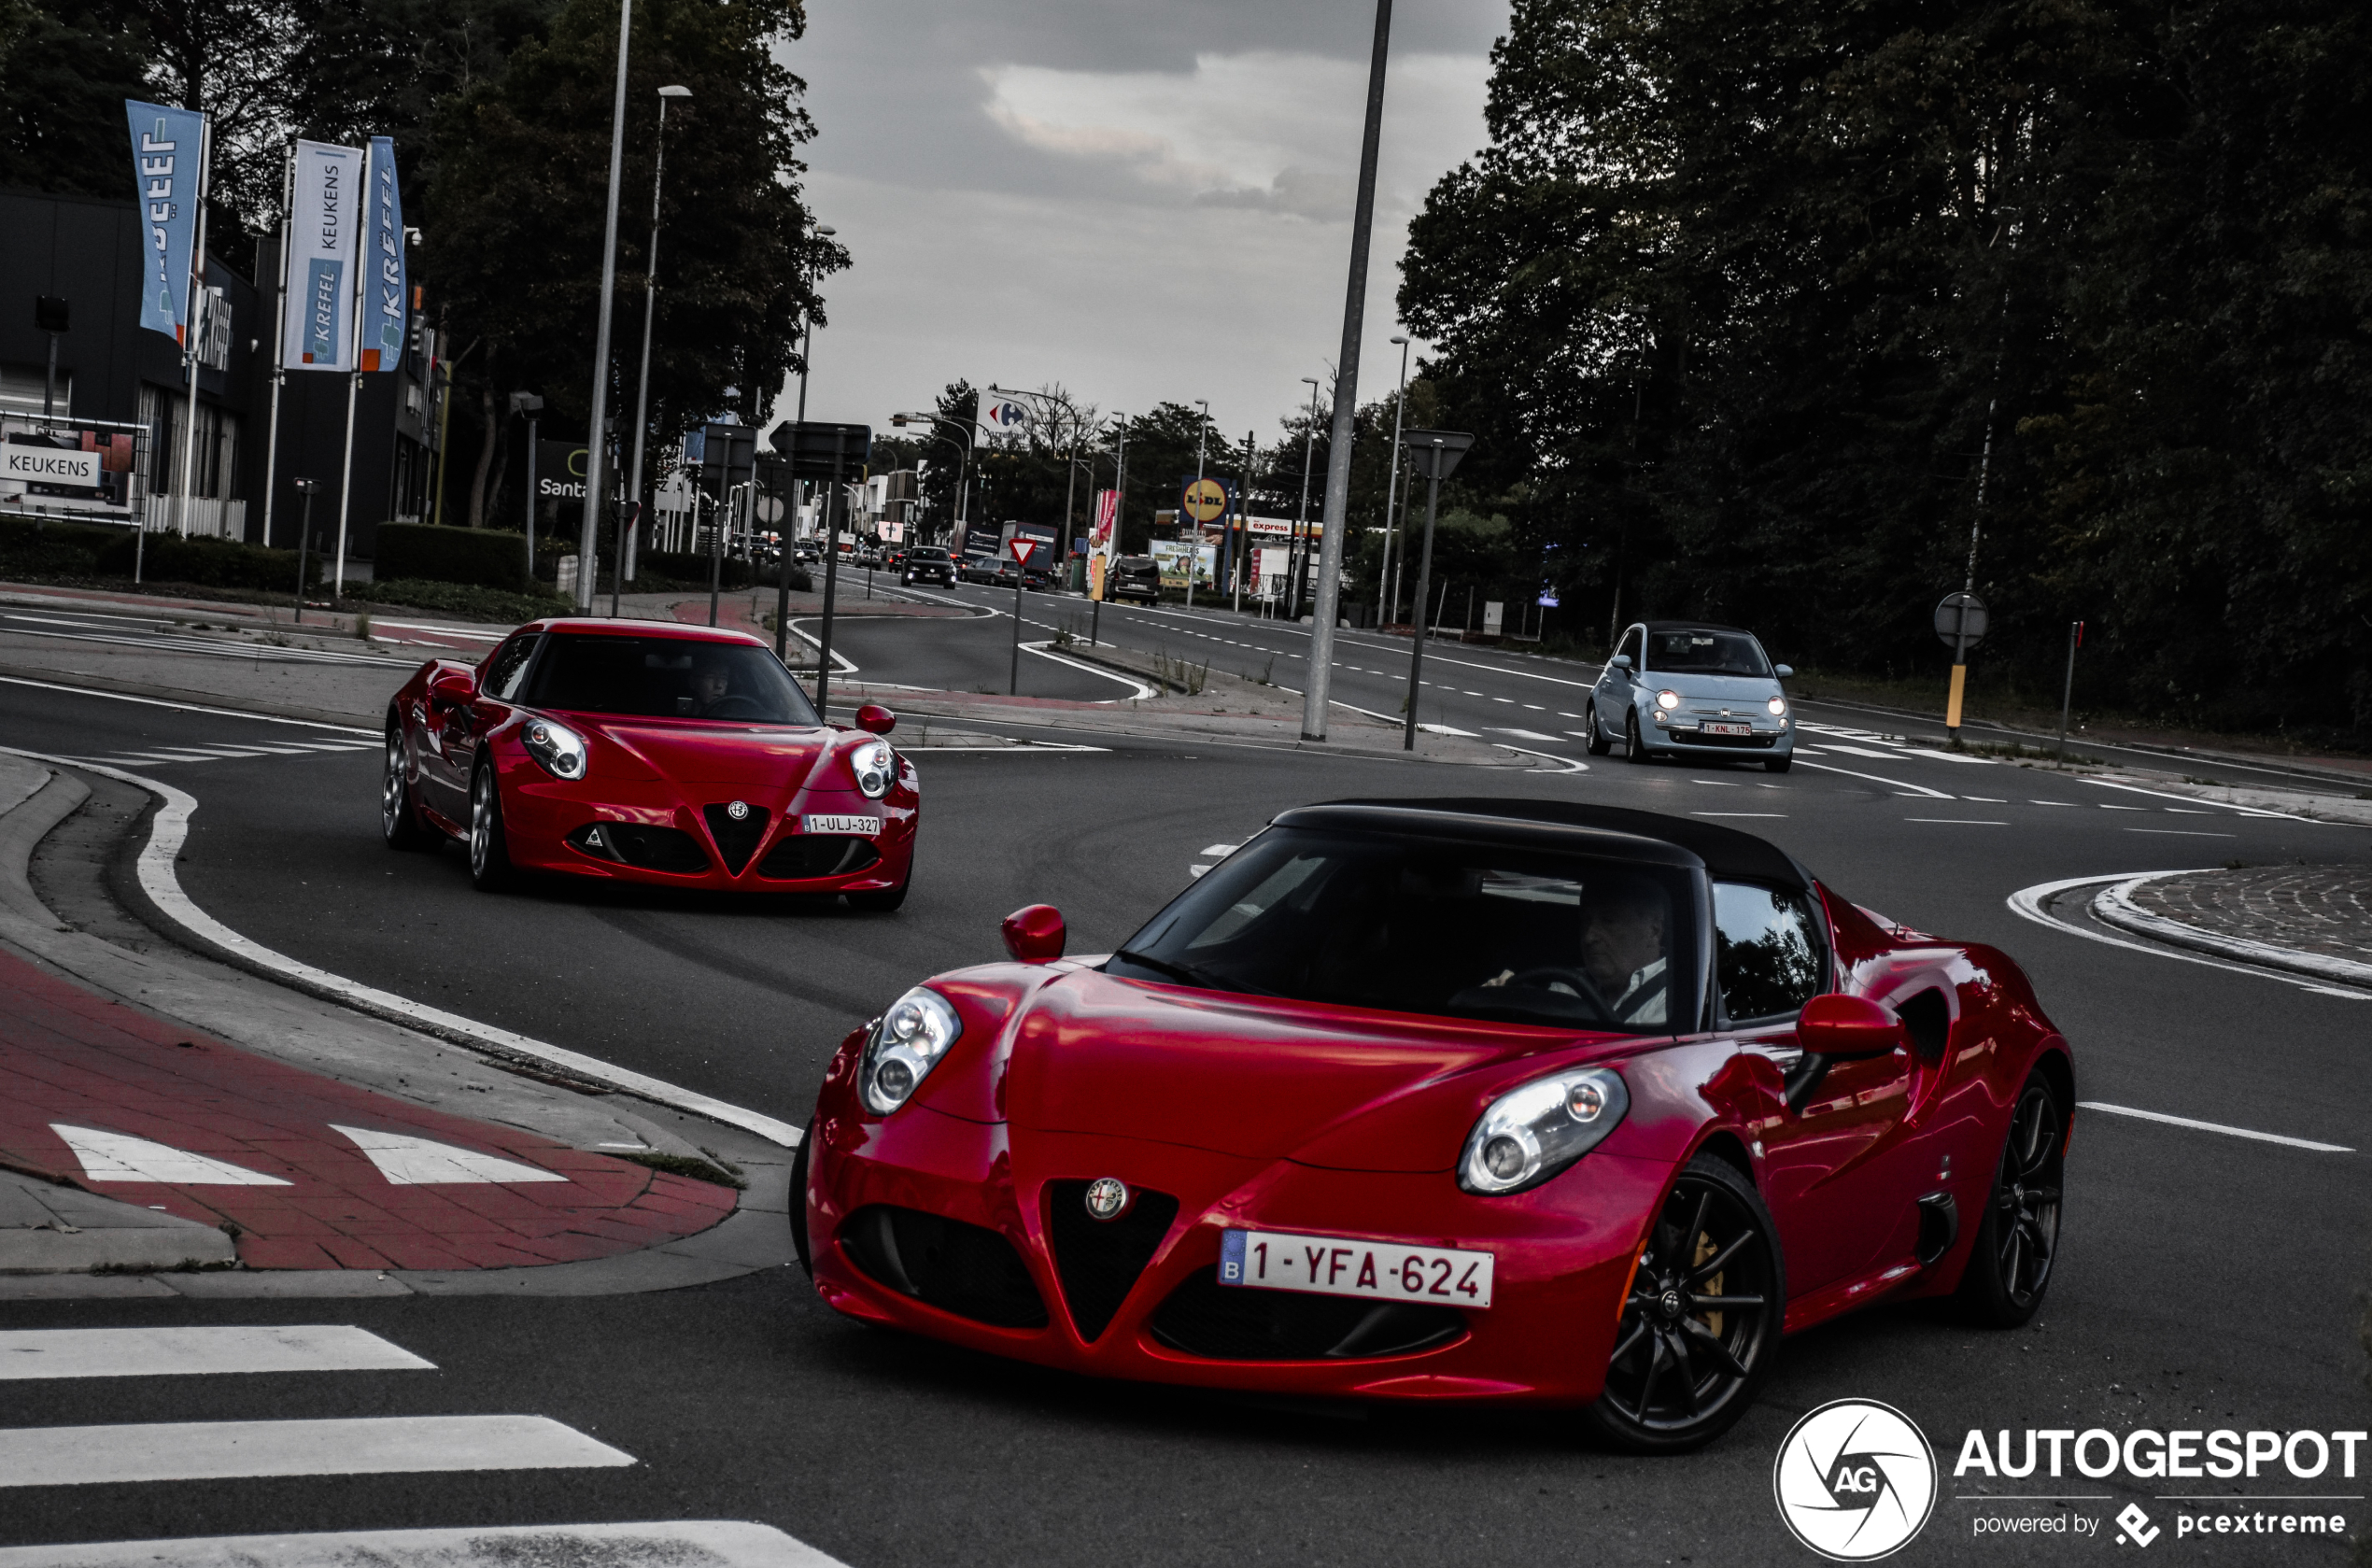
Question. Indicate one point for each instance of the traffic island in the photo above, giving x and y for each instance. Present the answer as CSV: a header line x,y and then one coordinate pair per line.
x,y
2308,920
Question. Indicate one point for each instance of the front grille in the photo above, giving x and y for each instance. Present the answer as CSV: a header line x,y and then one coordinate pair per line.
x,y
964,1269
1236,1322
1694,738
817,855
736,841
635,843
1099,1260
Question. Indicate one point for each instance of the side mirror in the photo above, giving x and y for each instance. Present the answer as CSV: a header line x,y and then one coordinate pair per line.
x,y
1034,934
876,719
451,686
1620,661
1841,1025
1784,672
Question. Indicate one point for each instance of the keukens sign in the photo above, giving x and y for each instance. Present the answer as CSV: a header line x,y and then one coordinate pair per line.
x,y
325,240
49,465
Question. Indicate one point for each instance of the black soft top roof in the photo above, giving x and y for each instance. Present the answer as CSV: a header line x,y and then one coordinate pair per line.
x,y
1569,826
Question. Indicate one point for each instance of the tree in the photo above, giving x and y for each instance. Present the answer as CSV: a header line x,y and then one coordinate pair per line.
x,y
66,70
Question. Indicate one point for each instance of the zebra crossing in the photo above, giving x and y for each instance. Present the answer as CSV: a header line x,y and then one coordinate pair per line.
x,y
165,1453
164,756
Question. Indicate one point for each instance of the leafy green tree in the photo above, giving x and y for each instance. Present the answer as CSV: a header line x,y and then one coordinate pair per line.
x,y
66,70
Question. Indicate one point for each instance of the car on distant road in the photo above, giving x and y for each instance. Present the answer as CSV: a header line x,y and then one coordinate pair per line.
x,y
1135,578
629,751
929,563
1690,689
1513,1102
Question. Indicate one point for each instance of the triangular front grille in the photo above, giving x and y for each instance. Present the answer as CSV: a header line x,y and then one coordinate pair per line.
x,y
736,841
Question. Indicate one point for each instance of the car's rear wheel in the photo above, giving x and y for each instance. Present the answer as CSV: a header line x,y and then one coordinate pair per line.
x,y
800,1243
1777,764
1699,1330
2017,1242
1598,743
490,846
399,823
1632,750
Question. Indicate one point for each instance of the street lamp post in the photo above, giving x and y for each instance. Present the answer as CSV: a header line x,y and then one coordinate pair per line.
x,y
305,536
531,405
650,310
597,423
1300,559
1194,540
1392,486
1441,450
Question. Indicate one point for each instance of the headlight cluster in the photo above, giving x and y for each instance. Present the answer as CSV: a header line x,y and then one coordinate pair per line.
x,y
1667,700
875,765
560,749
1778,706
906,1043
1531,1134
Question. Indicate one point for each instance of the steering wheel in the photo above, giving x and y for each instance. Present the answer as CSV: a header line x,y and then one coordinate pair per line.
x,y
735,708
1573,980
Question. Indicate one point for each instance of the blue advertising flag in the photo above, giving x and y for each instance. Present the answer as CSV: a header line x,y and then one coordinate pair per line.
x,y
385,301
167,151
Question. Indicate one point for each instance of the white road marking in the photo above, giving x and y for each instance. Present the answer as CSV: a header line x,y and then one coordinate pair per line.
x,y
2189,799
1738,813
1534,735
2181,833
1962,821
1891,783
406,1161
665,1544
2216,1127
1571,764
1220,848
27,1354
121,1157
1196,870
189,707
54,1456
2029,903
2050,803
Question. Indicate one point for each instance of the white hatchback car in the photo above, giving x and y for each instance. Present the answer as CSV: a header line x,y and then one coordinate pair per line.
x,y
1687,689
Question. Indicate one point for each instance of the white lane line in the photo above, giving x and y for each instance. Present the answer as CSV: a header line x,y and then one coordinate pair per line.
x,y
1220,848
1571,764
57,1456
1738,813
188,707
707,1542
1534,735
2029,903
1961,821
1138,690
2216,1127
2182,833
26,1354
2191,799
1891,783
170,829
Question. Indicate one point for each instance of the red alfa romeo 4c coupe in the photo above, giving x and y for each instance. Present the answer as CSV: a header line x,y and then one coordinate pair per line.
x,y
1450,1099
636,751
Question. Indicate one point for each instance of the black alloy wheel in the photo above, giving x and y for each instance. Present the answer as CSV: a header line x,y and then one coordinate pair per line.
x,y
399,823
490,848
800,1243
1699,1330
2017,1242
1633,751
1598,743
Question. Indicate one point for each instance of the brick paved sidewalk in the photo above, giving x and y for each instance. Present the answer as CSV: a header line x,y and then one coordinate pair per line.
x,y
2323,910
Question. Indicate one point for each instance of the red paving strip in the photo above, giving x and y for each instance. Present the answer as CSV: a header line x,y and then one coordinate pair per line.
x,y
72,1057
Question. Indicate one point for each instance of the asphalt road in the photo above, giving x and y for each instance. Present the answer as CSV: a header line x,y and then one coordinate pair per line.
x,y
2207,1280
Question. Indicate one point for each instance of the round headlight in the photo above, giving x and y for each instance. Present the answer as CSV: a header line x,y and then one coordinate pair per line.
x,y
875,767
903,1046
1667,700
1778,706
1532,1132
558,748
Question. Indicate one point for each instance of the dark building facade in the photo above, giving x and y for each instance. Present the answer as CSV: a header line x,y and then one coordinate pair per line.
x,y
88,252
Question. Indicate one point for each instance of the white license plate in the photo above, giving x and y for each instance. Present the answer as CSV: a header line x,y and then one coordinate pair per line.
x,y
865,826
1332,1265
1726,728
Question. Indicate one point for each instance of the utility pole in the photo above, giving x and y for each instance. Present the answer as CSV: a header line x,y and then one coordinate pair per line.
x,y
1437,452
1239,539
1194,540
1392,486
597,423
1297,556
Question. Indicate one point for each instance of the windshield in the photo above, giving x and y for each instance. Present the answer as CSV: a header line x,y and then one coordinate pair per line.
x,y
667,677
1705,653
927,551
1411,925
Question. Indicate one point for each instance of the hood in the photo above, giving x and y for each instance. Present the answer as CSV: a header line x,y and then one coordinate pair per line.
x,y
688,753
1257,1077
1754,689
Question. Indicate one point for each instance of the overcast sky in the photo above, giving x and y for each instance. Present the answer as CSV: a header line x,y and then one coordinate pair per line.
x,y
1140,199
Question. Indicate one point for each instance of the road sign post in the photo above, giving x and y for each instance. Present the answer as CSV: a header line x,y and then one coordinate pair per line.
x,y
1434,454
1960,621
2067,693
1022,547
816,450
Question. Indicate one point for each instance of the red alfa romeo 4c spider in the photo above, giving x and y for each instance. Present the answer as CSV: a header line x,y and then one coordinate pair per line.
x,y
641,752
1450,1099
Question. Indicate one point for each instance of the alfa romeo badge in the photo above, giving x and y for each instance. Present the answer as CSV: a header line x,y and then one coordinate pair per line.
x,y
1106,1197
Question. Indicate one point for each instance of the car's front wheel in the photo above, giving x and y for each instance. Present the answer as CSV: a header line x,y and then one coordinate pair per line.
x,y
1632,750
1598,743
399,823
2017,1242
1699,1330
489,847
1777,764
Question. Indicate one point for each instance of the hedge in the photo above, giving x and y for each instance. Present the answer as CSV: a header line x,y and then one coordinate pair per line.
x,y
484,557
59,549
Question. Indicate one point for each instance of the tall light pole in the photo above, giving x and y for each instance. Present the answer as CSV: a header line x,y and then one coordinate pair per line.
x,y
596,445
1392,486
1195,542
1322,642
650,309
1300,557
807,325
963,462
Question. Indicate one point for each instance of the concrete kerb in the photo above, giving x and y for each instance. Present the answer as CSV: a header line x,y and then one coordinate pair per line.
x,y
260,1012
2114,906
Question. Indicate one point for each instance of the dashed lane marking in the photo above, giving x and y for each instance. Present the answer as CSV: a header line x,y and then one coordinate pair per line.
x,y
54,1456
709,1543
190,1351
2161,1116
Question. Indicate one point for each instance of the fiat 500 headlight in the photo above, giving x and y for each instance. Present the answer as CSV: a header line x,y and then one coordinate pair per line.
x,y
1778,706
904,1043
560,749
875,765
1667,700
1531,1134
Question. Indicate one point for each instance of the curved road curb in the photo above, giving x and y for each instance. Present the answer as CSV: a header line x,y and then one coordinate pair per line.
x,y
2114,906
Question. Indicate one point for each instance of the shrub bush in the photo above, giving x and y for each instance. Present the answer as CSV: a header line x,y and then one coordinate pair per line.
x,y
214,563
689,568
484,557
461,599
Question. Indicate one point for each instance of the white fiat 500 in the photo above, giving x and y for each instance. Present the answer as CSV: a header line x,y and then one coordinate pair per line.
x,y
1686,689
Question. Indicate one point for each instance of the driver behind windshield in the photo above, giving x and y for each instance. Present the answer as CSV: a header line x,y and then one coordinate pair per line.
x,y
1622,950
712,685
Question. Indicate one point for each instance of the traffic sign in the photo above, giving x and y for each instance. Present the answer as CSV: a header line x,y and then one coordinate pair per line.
x,y
1960,620
1205,500
1022,549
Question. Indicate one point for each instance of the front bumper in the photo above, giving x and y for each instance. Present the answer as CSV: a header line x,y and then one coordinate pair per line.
x,y
1564,1253
1681,735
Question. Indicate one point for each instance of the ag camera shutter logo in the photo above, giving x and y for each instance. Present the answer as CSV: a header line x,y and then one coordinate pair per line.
x,y
1855,1480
